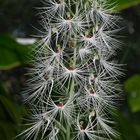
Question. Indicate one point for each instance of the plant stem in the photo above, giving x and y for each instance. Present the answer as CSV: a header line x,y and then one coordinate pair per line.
x,y
71,92
68,132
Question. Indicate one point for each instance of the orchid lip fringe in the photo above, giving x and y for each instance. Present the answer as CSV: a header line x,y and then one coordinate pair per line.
x,y
74,83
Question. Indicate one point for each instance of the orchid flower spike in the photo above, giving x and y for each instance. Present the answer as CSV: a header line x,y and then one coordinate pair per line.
x,y
74,83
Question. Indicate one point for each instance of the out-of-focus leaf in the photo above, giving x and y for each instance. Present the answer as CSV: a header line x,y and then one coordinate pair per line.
x,y
12,53
11,108
123,4
137,129
132,87
6,130
11,115
126,129
2,111
2,90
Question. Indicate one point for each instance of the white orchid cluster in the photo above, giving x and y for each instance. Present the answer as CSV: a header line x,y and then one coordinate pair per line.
x,y
74,83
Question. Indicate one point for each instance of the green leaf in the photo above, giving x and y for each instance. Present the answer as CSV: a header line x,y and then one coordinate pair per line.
x,y
132,87
2,90
137,129
11,115
12,53
14,111
7,131
123,4
125,128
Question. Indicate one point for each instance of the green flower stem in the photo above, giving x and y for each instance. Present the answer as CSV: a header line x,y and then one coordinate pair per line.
x,y
71,92
68,133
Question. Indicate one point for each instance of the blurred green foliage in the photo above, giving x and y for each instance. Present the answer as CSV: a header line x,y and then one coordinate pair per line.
x,y
10,115
127,129
123,4
132,87
15,16
12,53
128,119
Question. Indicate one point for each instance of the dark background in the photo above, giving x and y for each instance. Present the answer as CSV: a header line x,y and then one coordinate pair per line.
x,y
17,18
